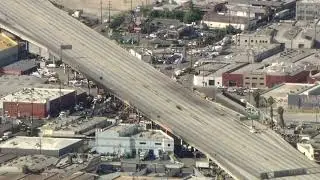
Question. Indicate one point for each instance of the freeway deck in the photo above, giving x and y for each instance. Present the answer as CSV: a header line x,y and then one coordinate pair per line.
x,y
243,154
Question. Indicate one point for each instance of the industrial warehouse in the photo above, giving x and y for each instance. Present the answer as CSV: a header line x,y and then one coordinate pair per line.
x,y
176,90
132,140
40,145
38,102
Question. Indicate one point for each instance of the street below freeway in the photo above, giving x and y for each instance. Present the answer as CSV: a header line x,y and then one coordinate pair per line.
x,y
213,130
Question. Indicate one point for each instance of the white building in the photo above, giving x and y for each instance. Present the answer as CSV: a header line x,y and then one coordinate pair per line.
x,y
130,139
243,10
213,20
141,53
207,79
209,74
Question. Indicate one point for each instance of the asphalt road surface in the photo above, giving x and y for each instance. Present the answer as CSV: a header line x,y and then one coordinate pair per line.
x,y
204,125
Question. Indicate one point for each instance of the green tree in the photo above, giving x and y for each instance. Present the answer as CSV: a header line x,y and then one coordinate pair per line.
x,y
271,101
145,11
117,21
256,97
231,30
192,15
281,120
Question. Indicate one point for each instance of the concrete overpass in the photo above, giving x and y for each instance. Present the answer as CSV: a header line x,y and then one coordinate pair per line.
x,y
208,127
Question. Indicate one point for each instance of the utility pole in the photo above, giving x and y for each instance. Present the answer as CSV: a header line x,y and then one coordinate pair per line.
x,y
32,91
249,4
109,13
101,21
315,32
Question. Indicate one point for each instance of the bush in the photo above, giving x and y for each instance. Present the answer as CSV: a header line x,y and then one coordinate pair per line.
x,y
117,21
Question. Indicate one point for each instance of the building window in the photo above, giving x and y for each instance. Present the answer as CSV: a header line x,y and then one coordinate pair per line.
x,y
211,82
168,145
247,78
158,144
143,143
254,78
254,85
262,84
247,83
261,78
252,41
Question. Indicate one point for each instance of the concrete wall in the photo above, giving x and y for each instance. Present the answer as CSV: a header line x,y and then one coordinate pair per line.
x,y
69,149
22,152
8,56
306,149
43,52
135,54
67,101
56,153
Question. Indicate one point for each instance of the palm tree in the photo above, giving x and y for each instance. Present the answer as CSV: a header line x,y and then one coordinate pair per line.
x,y
256,96
281,120
271,101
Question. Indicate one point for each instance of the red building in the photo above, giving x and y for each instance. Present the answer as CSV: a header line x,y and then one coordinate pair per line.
x,y
265,77
38,102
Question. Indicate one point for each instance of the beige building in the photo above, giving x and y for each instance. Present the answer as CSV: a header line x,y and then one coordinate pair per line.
x,y
254,80
307,10
263,37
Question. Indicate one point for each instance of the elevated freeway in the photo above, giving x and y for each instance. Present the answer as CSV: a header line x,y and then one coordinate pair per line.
x,y
202,124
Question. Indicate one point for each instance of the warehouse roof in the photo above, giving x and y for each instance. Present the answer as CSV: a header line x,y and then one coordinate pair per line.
x,y
283,90
23,142
154,134
6,42
213,17
135,131
36,95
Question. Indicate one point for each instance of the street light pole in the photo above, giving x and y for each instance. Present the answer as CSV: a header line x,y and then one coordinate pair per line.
x,y
65,47
32,89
